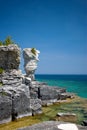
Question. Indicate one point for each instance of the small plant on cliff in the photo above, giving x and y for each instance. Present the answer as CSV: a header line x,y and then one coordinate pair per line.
x,y
1,70
33,50
8,41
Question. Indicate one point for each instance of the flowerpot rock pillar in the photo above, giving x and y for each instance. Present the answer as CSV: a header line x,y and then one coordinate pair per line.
x,y
30,61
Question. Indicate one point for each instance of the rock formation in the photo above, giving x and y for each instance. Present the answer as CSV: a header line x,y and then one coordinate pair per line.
x,y
30,61
21,95
14,95
9,57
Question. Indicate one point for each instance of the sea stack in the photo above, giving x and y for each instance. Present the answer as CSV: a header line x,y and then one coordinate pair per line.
x,y
30,61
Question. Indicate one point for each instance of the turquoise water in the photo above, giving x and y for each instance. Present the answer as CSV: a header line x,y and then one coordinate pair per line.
x,y
73,83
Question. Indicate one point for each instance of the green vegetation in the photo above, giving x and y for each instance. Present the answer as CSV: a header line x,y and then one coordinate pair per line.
x,y
7,41
77,105
33,50
1,70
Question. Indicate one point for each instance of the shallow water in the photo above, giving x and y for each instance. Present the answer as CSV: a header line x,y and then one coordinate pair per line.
x,y
76,84
77,106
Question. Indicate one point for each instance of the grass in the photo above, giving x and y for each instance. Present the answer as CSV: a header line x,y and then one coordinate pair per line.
x,y
77,105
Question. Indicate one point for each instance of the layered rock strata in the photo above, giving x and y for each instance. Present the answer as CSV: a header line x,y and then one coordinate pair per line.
x,y
9,57
30,61
48,94
21,95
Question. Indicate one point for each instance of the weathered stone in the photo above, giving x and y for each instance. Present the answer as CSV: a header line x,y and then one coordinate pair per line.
x,y
65,95
85,122
65,114
66,117
48,102
21,95
9,57
30,61
33,94
21,103
48,94
20,99
5,108
27,80
53,125
36,106
49,125
11,78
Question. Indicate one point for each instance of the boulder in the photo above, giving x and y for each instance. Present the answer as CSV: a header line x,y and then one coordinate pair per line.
x,y
9,57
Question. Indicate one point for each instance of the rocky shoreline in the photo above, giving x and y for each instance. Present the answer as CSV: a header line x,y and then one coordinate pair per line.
x,y
21,95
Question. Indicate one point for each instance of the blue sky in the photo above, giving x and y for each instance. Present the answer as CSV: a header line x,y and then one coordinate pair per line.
x,y
57,28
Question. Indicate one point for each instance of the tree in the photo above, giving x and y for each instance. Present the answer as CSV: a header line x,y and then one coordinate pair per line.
x,y
8,41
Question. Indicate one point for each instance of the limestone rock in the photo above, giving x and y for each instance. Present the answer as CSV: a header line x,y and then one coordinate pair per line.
x,y
9,57
11,77
53,125
19,101
85,122
36,106
48,94
30,61
65,114
5,108
71,117
21,95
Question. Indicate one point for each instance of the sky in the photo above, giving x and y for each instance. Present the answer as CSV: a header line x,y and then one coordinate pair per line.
x,y
57,28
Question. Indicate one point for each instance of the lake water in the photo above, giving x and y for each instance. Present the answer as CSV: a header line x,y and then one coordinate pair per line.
x,y
73,83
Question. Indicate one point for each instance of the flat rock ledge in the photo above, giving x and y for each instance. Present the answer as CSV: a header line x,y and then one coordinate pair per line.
x,y
54,125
